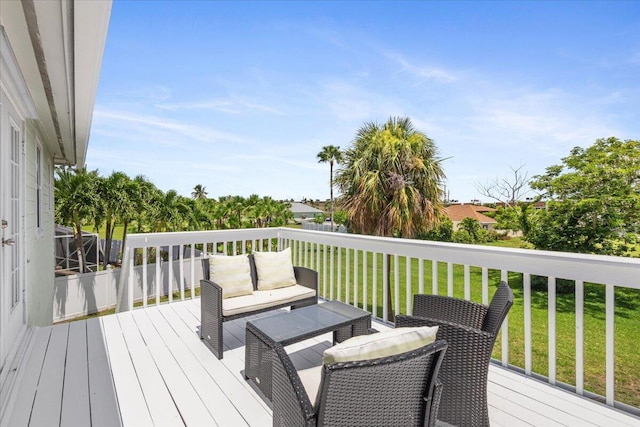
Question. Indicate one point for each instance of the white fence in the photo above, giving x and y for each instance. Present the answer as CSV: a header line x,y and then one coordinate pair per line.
x,y
88,293
325,226
369,271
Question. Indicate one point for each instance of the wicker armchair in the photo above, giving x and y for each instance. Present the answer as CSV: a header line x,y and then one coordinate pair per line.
x,y
401,390
470,329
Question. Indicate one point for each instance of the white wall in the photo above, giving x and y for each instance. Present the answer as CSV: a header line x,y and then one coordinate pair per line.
x,y
39,250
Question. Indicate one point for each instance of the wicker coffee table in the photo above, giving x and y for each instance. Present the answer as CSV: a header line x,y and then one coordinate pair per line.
x,y
343,320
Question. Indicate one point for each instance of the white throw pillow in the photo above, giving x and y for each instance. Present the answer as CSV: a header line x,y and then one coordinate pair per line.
x,y
382,344
232,273
274,269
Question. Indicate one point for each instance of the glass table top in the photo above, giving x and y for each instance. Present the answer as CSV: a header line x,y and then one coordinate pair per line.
x,y
303,321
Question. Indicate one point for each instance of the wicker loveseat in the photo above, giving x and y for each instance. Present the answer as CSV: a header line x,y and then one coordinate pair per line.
x,y
470,329
397,390
215,310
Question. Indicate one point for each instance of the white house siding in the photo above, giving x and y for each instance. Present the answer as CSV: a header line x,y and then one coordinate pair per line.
x,y
39,249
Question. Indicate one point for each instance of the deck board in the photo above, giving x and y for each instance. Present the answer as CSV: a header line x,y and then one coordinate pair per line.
x,y
188,401
103,402
28,385
133,407
48,400
157,397
149,367
75,398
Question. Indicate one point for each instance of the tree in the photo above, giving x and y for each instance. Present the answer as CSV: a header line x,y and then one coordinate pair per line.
x,y
504,190
116,201
593,200
391,182
172,211
330,154
199,192
77,199
144,200
129,208
471,226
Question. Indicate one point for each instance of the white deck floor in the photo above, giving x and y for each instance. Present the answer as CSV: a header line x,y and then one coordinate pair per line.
x,y
148,367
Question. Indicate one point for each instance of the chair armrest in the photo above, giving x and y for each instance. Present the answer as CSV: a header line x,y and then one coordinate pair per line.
x,y
291,404
306,277
212,289
210,302
435,404
454,310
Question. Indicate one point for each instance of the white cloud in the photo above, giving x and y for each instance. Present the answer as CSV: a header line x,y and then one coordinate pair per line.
x,y
422,72
230,106
128,124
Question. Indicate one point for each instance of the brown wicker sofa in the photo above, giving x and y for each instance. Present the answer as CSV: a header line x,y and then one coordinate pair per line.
x,y
214,310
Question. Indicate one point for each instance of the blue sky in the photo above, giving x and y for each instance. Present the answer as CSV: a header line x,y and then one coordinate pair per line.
x,y
241,96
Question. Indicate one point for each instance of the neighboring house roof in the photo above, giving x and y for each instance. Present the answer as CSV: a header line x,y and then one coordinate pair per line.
x,y
298,208
457,213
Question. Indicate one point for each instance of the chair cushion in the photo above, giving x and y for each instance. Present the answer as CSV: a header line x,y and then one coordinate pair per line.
x,y
232,273
274,269
259,300
310,379
382,344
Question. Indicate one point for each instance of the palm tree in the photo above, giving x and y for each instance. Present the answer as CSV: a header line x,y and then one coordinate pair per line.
x,y
115,199
199,192
144,199
330,154
76,202
471,226
391,182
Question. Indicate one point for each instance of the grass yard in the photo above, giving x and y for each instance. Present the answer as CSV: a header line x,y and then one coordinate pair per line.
x,y
117,232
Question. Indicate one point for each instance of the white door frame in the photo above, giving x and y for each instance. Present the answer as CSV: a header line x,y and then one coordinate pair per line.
x,y
12,274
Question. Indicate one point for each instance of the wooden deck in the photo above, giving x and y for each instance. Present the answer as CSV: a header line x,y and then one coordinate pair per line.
x,y
149,368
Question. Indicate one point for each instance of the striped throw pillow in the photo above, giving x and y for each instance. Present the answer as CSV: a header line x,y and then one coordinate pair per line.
x,y
232,273
382,344
274,269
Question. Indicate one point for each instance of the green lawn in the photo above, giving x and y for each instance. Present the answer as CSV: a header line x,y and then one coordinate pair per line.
x,y
627,323
117,232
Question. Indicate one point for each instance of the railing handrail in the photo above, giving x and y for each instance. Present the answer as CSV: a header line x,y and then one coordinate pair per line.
x,y
604,269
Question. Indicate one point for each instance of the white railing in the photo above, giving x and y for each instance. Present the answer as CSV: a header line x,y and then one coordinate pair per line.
x,y
359,269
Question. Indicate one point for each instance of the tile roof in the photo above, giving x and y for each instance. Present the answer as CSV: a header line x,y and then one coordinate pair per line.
x,y
460,212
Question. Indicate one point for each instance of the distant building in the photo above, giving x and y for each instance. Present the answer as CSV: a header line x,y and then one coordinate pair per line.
x,y
456,213
302,212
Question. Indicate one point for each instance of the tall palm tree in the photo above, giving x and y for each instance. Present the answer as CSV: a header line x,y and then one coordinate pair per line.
x,y
199,192
115,199
391,182
129,209
144,200
330,154
77,200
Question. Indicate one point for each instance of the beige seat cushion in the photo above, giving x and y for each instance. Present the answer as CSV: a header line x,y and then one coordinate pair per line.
x,y
310,379
274,269
232,273
263,299
382,344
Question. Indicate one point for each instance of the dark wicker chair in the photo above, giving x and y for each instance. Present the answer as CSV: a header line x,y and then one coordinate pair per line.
x,y
401,390
470,329
211,316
